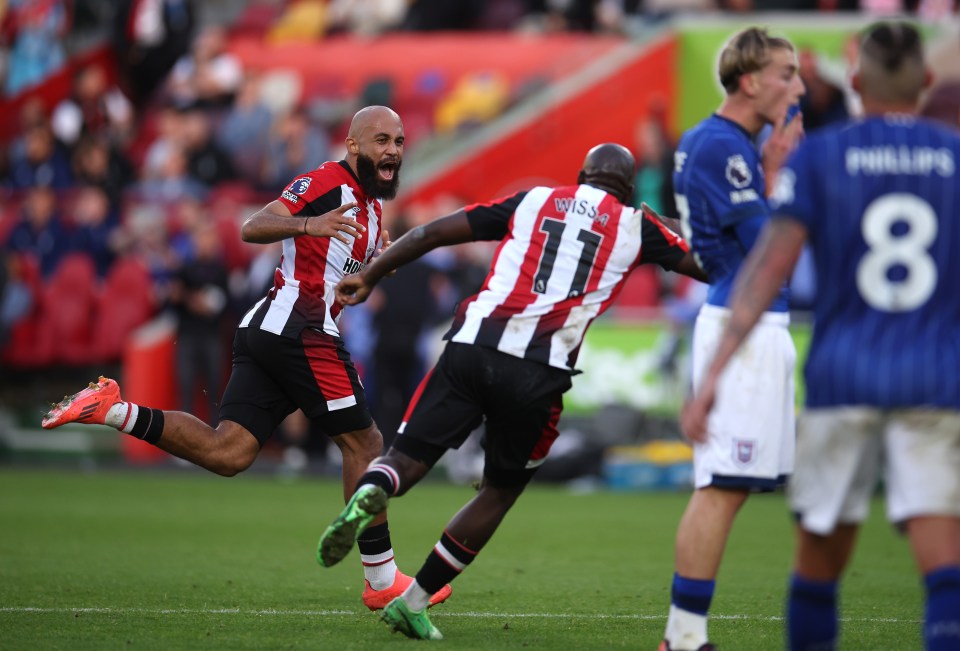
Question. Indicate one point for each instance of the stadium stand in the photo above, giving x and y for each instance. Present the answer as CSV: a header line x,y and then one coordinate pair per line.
x,y
70,300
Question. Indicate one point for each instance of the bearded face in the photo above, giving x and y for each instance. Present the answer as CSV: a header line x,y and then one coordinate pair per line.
x,y
381,179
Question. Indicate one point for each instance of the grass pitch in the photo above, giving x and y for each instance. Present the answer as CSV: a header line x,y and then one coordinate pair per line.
x,y
192,561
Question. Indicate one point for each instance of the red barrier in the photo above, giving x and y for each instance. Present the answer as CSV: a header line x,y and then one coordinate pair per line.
x,y
149,379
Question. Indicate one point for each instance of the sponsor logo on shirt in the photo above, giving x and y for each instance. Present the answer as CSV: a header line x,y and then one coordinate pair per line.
x,y
744,196
289,196
738,172
351,266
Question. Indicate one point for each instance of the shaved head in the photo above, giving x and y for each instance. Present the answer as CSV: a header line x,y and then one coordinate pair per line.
x,y
609,167
375,150
891,66
375,117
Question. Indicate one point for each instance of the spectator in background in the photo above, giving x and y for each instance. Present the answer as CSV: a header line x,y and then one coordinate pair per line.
x,y
40,160
442,15
403,308
208,76
824,102
93,108
96,163
36,29
169,136
145,235
199,295
173,181
40,231
654,180
32,113
295,144
186,217
94,223
943,103
365,17
207,162
149,36
15,297
245,128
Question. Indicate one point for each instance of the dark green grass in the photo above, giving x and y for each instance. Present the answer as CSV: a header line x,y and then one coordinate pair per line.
x,y
189,560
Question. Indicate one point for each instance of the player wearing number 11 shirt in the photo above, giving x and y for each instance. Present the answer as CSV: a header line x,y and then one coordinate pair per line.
x,y
563,258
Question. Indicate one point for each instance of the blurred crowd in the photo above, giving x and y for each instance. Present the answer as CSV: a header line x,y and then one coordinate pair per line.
x,y
124,199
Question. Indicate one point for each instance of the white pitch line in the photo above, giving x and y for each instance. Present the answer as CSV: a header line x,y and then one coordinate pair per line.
x,y
342,613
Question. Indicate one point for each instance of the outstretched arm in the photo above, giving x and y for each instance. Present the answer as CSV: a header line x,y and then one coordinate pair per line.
x,y
452,229
688,267
275,222
758,283
688,264
671,223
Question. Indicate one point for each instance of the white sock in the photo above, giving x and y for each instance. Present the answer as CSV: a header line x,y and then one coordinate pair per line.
x,y
122,416
685,630
416,597
379,569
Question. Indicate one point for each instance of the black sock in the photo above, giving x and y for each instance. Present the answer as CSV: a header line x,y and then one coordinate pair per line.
x,y
375,540
149,425
445,563
381,475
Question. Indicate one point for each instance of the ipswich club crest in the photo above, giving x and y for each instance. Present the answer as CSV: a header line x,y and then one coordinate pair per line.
x,y
744,451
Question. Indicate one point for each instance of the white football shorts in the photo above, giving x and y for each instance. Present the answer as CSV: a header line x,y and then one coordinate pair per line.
x,y
843,452
752,426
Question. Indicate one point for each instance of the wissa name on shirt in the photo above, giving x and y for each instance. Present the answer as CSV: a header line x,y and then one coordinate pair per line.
x,y
922,161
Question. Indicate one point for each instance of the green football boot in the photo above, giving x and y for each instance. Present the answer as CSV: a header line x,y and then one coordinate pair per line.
x,y
339,538
398,616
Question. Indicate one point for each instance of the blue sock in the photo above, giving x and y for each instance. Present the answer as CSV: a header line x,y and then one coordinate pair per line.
x,y
811,615
942,629
692,595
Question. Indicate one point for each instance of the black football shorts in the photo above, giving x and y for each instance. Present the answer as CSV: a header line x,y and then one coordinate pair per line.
x,y
520,400
273,375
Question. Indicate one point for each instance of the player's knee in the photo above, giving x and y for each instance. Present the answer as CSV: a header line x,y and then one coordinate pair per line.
x,y
503,496
362,445
233,463
235,453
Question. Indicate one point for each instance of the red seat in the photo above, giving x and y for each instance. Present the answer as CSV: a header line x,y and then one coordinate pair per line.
x,y
69,305
31,339
125,303
237,254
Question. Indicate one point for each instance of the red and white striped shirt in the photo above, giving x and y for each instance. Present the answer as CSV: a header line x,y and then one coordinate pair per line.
x,y
564,257
310,267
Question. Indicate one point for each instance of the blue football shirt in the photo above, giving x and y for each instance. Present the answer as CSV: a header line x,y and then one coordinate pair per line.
x,y
720,195
880,199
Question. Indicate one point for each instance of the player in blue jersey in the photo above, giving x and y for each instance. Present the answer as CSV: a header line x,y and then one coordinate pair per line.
x,y
877,200
720,180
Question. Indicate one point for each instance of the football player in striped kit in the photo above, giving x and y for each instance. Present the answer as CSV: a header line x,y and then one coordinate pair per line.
x,y
288,353
877,200
563,257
